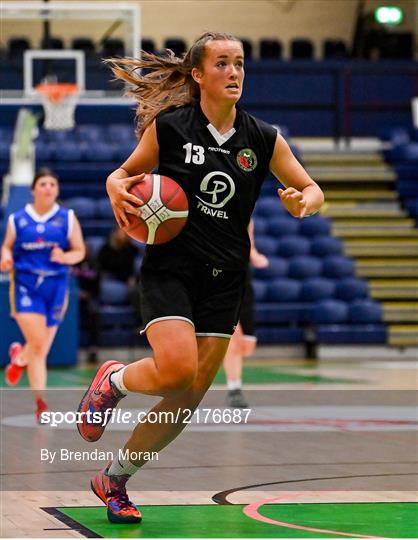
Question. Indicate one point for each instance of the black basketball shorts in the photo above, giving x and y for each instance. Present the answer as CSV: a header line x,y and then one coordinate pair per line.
x,y
247,312
181,288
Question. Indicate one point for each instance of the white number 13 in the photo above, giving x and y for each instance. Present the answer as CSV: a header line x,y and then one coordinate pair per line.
x,y
194,154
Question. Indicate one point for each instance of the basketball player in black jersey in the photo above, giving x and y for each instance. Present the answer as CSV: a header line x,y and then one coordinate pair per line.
x,y
191,288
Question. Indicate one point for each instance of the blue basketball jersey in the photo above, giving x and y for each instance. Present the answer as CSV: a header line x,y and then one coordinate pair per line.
x,y
37,235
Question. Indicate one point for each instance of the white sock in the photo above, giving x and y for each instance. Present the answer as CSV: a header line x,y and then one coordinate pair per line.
x,y
234,384
119,467
117,379
18,361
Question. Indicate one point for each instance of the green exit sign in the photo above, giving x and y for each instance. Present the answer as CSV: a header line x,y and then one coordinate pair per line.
x,y
388,15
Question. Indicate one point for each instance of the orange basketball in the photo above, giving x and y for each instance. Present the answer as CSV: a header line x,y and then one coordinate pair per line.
x,y
164,213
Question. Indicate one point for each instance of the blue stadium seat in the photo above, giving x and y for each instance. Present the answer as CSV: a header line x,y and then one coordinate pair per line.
x,y
280,226
69,151
350,288
301,49
321,246
177,45
277,267
283,290
268,207
280,335
44,151
82,206
266,245
94,244
315,226
291,245
364,311
104,208
329,312
100,151
304,266
317,288
88,132
124,149
260,289
283,313
351,333
270,49
113,292
121,132
260,226
336,266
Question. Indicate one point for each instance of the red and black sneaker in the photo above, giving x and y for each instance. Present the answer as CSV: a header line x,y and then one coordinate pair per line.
x,y
14,370
112,491
100,397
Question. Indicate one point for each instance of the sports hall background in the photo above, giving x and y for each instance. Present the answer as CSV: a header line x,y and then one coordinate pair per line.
x,y
323,71
336,308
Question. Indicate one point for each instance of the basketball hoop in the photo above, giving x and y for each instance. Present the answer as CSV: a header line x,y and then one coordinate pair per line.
x,y
59,101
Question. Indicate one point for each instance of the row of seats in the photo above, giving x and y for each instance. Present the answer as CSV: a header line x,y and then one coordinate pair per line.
x,y
268,48
402,154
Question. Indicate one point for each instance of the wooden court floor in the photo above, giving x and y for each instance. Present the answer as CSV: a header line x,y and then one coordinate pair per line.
x,y
327,450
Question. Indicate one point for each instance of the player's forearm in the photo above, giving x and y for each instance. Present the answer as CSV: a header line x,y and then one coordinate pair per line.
x,y
73,256
314,198
6,252
118,174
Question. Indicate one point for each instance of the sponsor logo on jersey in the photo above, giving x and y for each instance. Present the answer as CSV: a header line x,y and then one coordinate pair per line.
x,y
39,244
216,189
22,222
57,222
247,160
217,149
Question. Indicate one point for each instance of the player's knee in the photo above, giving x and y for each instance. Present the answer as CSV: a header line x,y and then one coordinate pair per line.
x,y
37,347
180,373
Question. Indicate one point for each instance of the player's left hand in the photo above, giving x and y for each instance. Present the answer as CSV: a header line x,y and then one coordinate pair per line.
x,y
258,260
294,201
57,255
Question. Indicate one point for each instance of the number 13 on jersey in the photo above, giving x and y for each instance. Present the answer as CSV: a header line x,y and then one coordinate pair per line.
x,y
194,154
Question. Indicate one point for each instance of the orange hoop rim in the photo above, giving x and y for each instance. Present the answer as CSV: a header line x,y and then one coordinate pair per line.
x,y
55,92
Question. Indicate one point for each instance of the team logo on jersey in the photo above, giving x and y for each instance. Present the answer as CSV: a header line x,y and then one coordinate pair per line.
x,y
247,160
40,228
25,301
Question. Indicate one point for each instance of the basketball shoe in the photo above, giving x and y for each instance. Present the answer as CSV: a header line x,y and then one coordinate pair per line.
x,y
112,491
100,397
41,407
236,399
14,370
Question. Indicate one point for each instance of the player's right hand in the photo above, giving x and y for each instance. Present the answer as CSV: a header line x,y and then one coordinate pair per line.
x,y
121,200
6,264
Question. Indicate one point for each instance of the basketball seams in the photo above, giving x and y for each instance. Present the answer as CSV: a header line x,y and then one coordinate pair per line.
x,y
158,223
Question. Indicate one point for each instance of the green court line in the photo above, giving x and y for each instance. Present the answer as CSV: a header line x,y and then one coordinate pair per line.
x,y
81,376
389,520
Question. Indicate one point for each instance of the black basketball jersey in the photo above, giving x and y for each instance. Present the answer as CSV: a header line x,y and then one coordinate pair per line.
x,y
221,175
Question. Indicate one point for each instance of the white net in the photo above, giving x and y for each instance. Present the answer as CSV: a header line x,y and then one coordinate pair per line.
x,y
59,113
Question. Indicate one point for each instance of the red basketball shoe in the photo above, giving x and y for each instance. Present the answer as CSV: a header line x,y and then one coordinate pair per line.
x,y
100,397
112,491
14,370
41,407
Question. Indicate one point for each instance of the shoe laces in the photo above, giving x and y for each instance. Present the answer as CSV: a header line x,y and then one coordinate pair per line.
x,y
122,500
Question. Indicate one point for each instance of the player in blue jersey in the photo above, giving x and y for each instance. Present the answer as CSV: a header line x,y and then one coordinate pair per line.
x,y
191,288
42,240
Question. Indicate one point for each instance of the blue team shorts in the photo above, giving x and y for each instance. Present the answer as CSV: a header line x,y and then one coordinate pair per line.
x,y
33,293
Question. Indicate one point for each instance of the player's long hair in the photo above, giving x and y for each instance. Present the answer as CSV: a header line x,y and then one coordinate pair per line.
x,y
166,81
